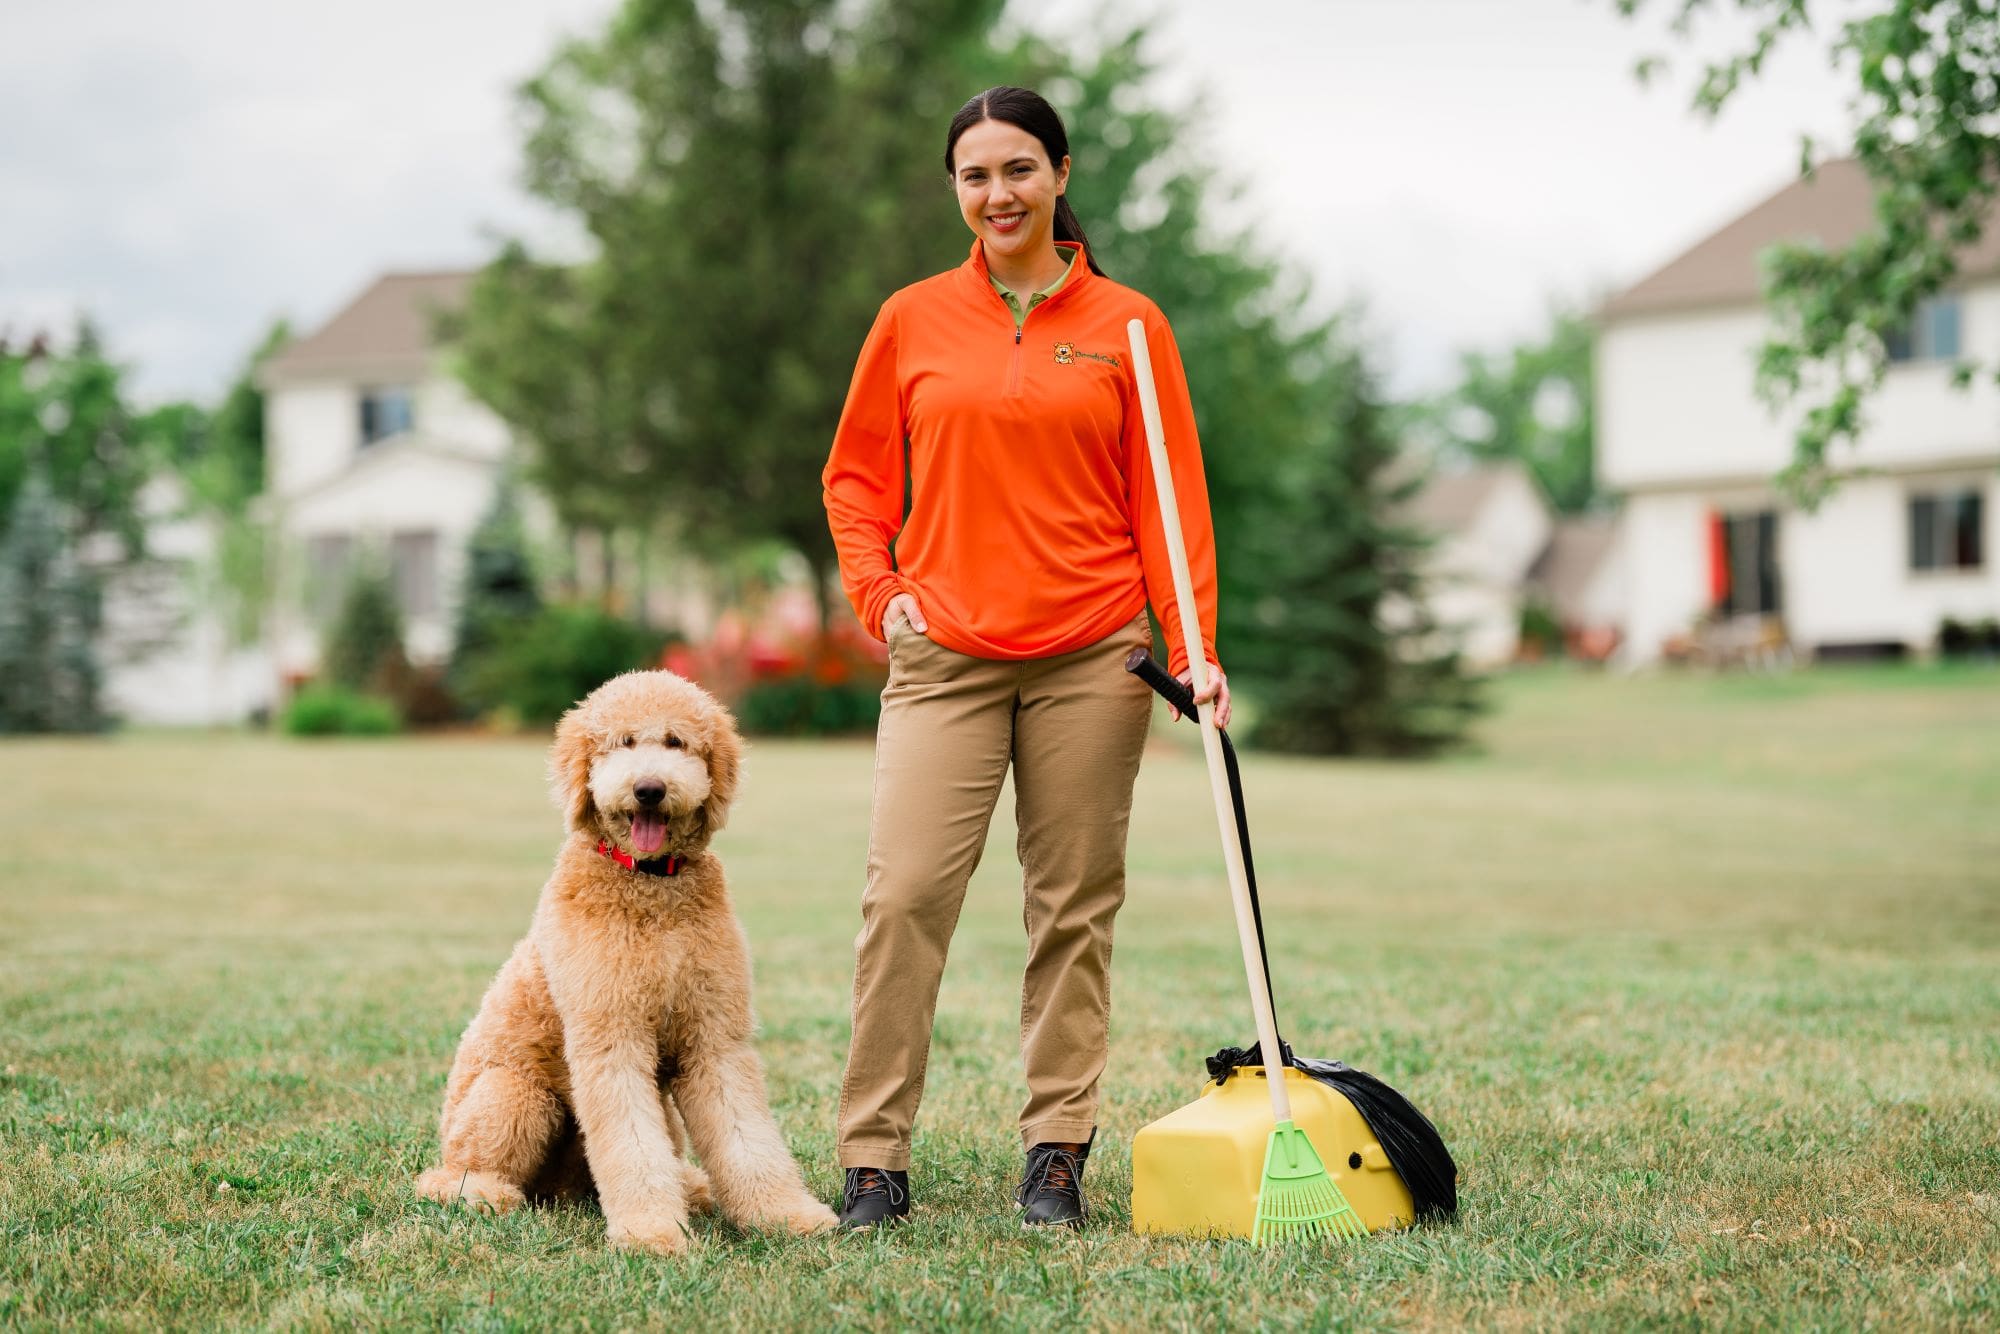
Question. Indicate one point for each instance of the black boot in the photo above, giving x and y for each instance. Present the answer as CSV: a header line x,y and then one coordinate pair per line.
x,y
1051,1192
874,1195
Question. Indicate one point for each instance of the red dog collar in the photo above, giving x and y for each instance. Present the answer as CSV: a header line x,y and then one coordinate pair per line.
x,y
668,865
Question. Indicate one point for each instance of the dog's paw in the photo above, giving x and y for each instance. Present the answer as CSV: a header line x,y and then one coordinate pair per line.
x,y
808,1217
694,1185
476,1190
654,1236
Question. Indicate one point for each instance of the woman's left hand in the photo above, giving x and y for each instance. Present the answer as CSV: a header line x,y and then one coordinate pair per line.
x,y
1218,690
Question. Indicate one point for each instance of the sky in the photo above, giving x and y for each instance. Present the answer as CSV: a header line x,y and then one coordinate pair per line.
x,y
187,172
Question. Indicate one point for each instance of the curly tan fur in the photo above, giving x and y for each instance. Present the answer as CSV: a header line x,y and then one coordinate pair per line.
x,y
618,1033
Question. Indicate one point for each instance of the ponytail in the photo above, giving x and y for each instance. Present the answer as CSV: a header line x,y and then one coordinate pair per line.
x,y
1069,229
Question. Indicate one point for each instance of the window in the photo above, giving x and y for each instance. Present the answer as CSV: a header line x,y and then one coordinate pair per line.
x,y
329,562
1931,336
413,562
386,411
1946,530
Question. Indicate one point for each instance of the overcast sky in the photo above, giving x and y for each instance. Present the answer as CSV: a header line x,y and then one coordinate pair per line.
x,y
187,171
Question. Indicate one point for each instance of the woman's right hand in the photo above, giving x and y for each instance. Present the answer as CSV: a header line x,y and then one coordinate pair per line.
x,y
905,606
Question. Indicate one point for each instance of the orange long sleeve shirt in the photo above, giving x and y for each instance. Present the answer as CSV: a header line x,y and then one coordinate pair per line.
x,y
1032,526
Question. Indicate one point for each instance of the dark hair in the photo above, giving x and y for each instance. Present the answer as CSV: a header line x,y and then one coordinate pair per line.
x,y
1027,110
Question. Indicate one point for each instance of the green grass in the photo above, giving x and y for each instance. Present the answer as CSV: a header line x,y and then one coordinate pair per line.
x,y
1700,978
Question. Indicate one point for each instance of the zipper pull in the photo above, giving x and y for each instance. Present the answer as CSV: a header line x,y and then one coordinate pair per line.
x,y
1017,335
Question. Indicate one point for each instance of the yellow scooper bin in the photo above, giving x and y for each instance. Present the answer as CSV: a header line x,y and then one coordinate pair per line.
x,y
1196,1171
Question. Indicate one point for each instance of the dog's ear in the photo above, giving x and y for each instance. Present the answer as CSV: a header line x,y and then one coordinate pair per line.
x,y
569,770
725,766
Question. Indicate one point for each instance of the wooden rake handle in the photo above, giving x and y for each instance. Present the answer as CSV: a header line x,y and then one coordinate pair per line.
x,y
1211,739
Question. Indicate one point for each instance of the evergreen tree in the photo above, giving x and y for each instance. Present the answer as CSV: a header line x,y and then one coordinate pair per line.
x,y
499,594
364,647
1335,647
49,675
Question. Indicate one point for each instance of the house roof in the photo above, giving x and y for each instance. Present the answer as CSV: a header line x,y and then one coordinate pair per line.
x,y
1449,501
384,331
1577,550
1834,207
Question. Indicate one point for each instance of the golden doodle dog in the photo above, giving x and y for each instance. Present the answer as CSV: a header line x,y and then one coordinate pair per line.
x,y
619,1031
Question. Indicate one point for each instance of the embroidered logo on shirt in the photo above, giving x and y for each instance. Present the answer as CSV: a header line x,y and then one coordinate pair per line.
x,y
1067,353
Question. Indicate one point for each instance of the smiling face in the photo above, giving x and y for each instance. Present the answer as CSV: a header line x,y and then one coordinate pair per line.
x,y
647,763
1007,189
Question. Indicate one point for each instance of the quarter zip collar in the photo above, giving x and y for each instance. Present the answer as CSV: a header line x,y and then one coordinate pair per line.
x,y
974,270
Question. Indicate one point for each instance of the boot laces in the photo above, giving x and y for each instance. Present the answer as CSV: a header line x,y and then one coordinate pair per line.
x,y
863,1182
1058,1170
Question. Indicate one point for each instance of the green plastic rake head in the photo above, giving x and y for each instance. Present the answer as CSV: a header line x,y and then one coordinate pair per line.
x,y
1298,1198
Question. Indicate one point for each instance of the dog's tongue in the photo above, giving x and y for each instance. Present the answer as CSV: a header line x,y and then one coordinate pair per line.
x,y
649,831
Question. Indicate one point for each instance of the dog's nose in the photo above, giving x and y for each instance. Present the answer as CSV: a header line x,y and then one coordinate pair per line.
x,y
650,794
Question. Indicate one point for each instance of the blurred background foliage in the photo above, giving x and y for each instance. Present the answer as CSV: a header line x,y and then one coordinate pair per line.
x,y
757,176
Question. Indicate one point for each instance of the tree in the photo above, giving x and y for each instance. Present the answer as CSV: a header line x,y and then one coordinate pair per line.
x,y
221,457
533,341
64,411
236,452
64,416
1337,641
695,365
1531,404
364,646
1927,107
49,675
498,596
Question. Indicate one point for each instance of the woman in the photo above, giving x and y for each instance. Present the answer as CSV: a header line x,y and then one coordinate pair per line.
x,y
1010,591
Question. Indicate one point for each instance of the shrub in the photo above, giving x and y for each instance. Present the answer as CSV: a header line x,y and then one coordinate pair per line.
x,y
499,592
1968,639
814,685
365,644
332,710
1541,634
798,705
547,662
420,694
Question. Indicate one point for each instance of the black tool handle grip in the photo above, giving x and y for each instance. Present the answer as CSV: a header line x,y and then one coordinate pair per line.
x,y
1142,664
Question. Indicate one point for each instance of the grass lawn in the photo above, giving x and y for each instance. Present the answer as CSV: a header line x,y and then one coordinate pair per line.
x,y
1699,977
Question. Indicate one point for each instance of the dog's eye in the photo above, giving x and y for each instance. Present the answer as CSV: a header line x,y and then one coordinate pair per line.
x,y
675,743
629,741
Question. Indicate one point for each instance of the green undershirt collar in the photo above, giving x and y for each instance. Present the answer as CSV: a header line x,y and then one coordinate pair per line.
x,y
1014,302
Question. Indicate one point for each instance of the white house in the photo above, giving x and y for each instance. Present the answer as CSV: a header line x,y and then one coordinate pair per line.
x,y
1488,526
1682,435
374,452
1580,578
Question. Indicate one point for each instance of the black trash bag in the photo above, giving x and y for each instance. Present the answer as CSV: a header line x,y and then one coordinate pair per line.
x,y
1412,1143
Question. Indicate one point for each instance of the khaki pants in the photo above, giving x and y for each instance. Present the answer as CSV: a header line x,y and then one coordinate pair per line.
x,y
1073,727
